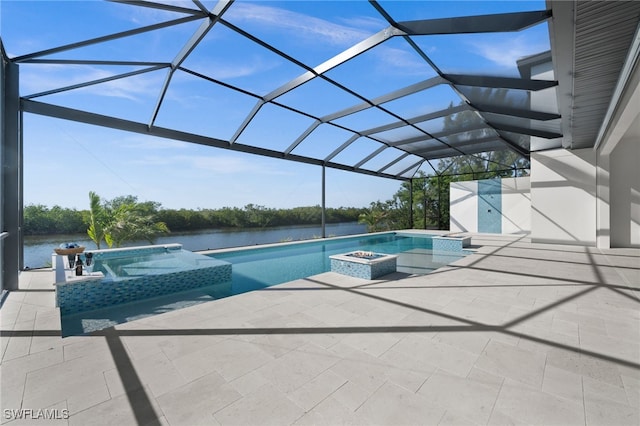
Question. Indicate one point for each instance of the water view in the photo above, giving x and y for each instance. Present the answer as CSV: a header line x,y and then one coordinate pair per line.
x,y
38,249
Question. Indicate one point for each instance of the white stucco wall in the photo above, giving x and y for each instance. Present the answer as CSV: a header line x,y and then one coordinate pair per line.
x,y
543,100
624,193
516,205
563,197
515,211
619,171
463,206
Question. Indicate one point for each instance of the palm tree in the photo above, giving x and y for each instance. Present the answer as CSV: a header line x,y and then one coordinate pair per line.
x,y
123,219
132,221
98,219
374,217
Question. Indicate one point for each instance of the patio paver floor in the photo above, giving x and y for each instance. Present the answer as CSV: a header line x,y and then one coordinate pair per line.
x,y
517,333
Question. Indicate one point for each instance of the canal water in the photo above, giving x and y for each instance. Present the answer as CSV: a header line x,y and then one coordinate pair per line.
x,y
38,249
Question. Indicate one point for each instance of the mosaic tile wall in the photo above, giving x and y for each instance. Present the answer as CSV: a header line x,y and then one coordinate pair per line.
x,y
94,294
490,206
362,270
449,244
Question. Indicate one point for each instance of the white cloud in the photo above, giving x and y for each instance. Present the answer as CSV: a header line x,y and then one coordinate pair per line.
x,y
228,164
213,164
227,68
349,32
149,15
46,77
297,24
506,51
222,164
365,22
405,62
151,143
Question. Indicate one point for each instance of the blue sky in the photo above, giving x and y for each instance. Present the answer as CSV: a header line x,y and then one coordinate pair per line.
x,y
65,160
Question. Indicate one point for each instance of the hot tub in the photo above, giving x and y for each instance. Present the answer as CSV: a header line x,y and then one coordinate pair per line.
x,y
124,275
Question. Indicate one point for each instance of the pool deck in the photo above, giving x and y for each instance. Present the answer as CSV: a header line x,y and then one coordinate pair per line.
x,y
517,333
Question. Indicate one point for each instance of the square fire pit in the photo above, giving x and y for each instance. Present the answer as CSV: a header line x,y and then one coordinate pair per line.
x,y
364,264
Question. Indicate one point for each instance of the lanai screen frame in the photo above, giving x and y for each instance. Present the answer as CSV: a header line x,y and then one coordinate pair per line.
x,y
14,105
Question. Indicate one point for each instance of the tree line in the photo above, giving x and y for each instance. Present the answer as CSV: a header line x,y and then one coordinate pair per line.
x,y
427,197
42,220
145,219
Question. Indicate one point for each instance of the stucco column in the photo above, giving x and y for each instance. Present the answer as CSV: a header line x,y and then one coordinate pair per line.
x,y
603,201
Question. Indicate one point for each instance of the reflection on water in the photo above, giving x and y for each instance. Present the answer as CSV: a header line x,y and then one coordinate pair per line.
x,y
38,249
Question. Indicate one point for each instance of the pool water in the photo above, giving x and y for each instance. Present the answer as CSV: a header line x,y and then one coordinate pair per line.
x,y
150,263
258,268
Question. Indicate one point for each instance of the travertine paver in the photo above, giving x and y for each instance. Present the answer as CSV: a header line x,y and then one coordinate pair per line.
x,y
517,333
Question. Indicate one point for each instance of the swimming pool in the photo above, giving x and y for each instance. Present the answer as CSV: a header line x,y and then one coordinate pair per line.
x,y
258,268
261,267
